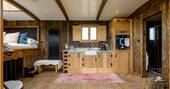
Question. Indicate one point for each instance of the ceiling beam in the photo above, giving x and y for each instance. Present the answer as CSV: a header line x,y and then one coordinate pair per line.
x,y
59,3
103,3
22,9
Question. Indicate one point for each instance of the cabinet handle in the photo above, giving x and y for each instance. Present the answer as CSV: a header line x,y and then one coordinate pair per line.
x,y
111,64
9,54
69,55
78,55
69,64
116,55
83,59
83,64
111,55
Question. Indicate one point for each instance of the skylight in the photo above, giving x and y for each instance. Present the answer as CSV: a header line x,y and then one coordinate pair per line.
x,y
8,7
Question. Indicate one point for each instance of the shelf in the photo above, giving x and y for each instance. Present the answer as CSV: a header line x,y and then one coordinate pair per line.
x,y
20,26
122,33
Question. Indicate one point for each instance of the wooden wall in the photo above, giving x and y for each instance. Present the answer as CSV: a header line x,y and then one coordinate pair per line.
x,y
151,8
65,29
61,26
1,43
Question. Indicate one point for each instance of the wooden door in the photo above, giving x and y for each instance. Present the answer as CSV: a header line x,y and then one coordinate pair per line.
x,y
76,33
101,36
73,62
123,61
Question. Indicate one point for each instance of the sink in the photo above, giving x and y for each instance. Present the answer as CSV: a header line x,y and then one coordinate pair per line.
x,y
90,52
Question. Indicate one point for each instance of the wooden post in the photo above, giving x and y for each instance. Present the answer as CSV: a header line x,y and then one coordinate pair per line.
x,y
1,43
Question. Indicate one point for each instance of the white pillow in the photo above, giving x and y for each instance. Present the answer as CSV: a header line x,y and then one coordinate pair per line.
x,y
4,33
11,37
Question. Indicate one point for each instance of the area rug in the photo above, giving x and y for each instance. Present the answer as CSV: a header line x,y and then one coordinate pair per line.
x,y
88,78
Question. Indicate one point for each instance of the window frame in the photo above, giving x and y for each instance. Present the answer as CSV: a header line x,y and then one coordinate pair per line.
x,y
89,33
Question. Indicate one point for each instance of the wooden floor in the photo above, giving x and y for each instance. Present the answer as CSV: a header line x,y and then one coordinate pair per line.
x,y
45,80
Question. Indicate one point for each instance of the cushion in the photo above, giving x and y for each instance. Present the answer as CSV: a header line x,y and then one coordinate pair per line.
x,y
11,37
23,38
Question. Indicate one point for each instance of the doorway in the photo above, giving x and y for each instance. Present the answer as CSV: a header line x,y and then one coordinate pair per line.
x,y
154,44
53,44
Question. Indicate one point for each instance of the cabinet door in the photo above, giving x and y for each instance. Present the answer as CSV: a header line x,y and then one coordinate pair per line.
x,y
109,59
76,33
112,62
89,64
90,61
73,63
101,36
123,62
121,25
100,60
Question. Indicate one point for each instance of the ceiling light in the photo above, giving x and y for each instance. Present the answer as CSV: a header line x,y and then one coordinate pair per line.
x,y
117,12
46,11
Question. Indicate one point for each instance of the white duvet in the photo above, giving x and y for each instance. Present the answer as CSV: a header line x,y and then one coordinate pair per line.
x,y
21,46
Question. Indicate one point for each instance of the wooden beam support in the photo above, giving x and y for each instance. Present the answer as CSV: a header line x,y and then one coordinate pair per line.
x,y
101,9
22,9
1,43
59,3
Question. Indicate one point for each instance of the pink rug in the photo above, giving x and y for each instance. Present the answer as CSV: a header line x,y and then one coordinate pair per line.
x,y
88,78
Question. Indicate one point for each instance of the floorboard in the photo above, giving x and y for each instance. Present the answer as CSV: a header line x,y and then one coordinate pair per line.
x,y
45,80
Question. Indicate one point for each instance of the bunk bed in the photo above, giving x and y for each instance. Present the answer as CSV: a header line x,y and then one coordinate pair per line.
x,y
21,55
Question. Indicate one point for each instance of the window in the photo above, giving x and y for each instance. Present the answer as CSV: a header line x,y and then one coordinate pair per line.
x,y
152,34
93,33
85,33
89,33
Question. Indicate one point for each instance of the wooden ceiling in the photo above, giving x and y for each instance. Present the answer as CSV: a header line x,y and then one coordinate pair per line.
x,y
73,10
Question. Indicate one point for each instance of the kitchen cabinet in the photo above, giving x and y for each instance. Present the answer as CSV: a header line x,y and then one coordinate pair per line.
x,y
102,35
103,62
76,33
121,25
73,62
123,61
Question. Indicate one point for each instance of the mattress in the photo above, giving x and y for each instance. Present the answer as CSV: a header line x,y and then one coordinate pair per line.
x,y
15,46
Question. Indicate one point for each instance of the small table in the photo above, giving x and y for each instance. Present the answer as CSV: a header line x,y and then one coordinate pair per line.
x,y
38,64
